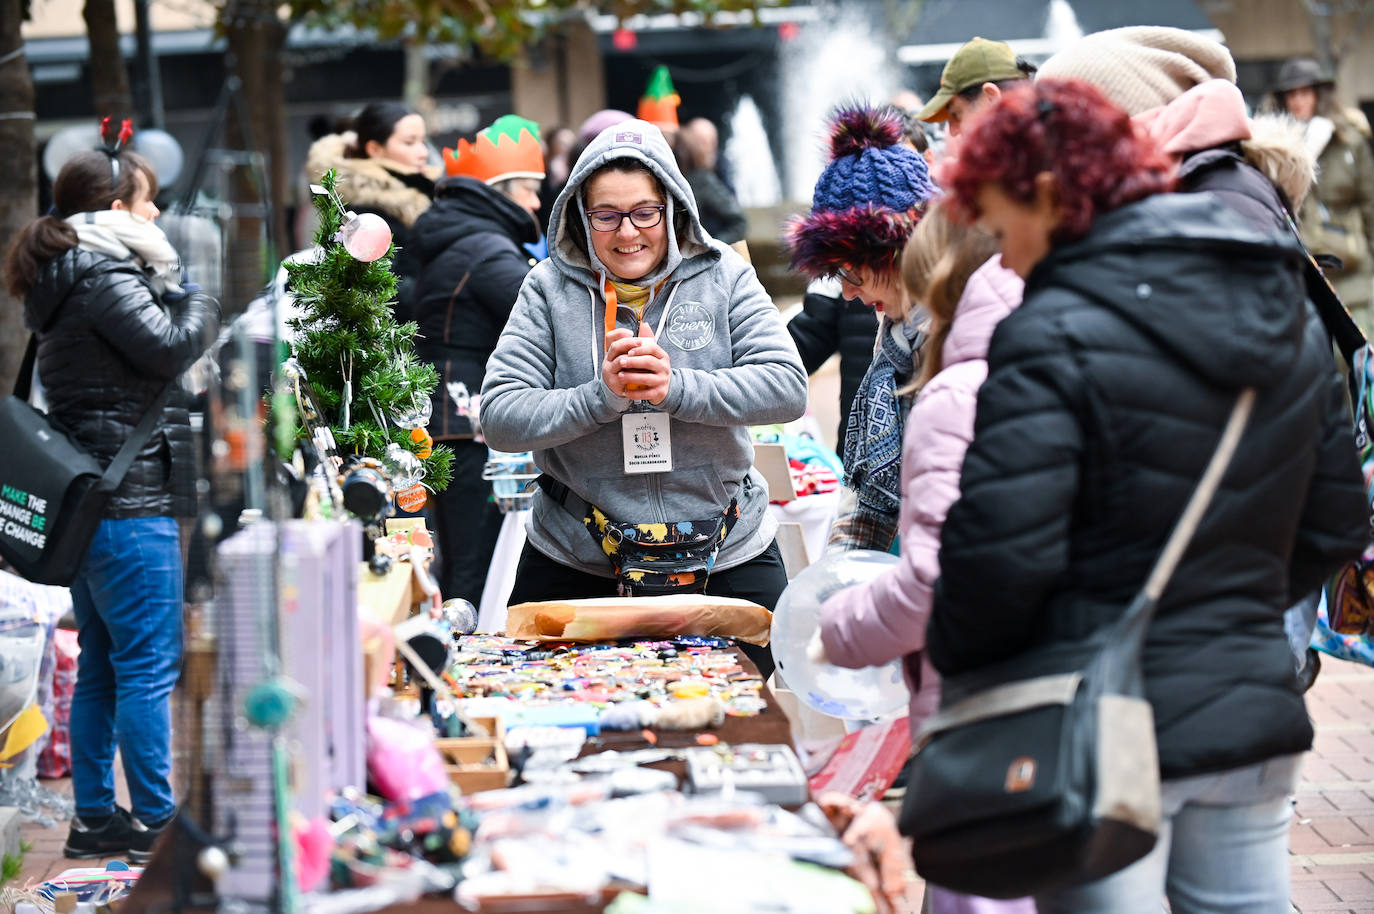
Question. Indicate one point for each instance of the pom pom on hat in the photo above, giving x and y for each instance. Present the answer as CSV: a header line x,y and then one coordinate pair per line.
x,y
509,148
855,129
1141,67
867,200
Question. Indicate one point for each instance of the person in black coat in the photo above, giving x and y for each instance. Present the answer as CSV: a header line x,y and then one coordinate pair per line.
x,y
827,324
1144,316
470,261
697,148
113,328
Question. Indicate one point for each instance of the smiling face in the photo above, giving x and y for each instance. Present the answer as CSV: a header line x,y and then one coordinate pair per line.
x,y
629,252
406,145
881,291
1022,230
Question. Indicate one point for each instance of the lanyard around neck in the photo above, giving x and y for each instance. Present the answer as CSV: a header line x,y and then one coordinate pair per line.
x,y
599,352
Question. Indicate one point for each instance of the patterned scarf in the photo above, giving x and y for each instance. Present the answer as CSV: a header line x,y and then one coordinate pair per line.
x,y
873,435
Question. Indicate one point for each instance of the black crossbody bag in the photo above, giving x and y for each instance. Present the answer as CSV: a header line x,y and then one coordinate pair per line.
x,y
1041,771
52,493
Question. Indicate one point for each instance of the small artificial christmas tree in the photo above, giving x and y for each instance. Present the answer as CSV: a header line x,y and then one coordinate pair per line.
x,y
372,391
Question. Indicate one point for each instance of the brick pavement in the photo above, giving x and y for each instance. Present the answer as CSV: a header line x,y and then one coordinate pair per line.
x,y
1332,838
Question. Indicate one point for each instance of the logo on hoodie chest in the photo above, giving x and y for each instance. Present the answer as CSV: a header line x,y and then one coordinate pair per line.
x,y
690,326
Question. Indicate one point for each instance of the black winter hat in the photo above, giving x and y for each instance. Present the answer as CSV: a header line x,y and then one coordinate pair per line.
x,y
1300,72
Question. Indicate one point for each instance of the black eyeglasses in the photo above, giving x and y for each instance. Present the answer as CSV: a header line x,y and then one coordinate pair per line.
x,y
845,274
608,220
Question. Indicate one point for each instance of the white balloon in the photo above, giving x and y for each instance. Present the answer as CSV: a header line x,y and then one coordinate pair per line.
x,y
157,146
164,152
863,694
66,143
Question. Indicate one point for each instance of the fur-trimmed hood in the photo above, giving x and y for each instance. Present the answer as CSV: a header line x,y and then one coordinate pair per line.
x,y
1277,150
368,183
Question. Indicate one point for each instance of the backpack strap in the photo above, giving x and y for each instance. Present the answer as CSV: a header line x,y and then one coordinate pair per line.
x,y
23,382
124,458
114,473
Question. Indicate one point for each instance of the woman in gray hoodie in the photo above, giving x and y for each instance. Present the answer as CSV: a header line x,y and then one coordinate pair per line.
x,y
634,362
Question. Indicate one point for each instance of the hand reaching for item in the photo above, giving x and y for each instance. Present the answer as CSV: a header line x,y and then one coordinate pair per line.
x,y
880,858
636,367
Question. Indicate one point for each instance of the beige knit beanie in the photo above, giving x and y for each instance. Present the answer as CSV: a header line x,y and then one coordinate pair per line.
x,y
1142,66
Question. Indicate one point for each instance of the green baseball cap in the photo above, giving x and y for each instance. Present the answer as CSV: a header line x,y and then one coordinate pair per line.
x,y
980,61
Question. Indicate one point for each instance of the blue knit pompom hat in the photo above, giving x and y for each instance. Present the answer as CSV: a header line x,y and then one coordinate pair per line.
x,y
867,200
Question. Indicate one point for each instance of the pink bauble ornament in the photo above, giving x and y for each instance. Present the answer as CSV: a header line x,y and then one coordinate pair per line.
x,y
366,237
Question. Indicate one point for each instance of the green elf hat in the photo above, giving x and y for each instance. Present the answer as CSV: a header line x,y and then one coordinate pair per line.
x,y
509,148
659,103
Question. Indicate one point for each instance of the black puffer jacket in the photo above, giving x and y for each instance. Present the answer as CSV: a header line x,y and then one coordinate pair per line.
x,y
1105,397
469,265
827,324
106,347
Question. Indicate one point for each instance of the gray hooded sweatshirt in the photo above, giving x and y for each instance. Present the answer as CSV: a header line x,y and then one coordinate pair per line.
x,y
733,365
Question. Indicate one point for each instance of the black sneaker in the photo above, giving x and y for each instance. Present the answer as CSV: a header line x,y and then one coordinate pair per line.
x,y
108,839
142,839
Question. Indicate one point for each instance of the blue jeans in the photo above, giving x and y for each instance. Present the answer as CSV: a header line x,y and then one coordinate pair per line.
x,y
127,600
1223,849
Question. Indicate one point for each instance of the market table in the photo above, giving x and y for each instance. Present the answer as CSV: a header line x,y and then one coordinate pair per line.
x,y
769,727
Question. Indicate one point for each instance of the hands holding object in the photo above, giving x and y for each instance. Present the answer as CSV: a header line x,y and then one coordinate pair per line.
x,y
636,367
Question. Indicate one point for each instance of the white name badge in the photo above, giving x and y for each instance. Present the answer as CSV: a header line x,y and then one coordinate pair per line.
x,y
648,444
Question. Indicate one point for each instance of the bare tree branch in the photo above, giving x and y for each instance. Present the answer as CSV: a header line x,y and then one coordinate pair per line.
x,y
1352,38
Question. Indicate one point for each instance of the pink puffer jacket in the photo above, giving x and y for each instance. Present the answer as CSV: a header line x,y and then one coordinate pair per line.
x,y
872,624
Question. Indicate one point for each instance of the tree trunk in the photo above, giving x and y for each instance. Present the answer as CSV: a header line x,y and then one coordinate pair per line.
x,y
257,40
109,79
19,178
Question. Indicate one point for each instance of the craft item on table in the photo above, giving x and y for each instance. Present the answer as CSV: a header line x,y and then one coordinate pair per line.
x,y
812,478
773,771
580,716
461,616
609,618
55,759
630,781
867,761
402,760
630,684
314,846
536,747
93,885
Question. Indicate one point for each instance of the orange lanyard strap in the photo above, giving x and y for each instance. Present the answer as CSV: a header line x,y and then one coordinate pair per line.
x,y
612,303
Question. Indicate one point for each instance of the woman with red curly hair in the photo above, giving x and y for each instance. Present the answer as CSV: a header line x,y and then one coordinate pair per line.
x,y
1144,314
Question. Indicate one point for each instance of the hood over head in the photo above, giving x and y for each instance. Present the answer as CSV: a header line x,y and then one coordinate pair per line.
x,y
689,246
1223,297
1209,114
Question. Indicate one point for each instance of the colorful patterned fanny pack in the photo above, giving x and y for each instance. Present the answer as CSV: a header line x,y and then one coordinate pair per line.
x,y
652,559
